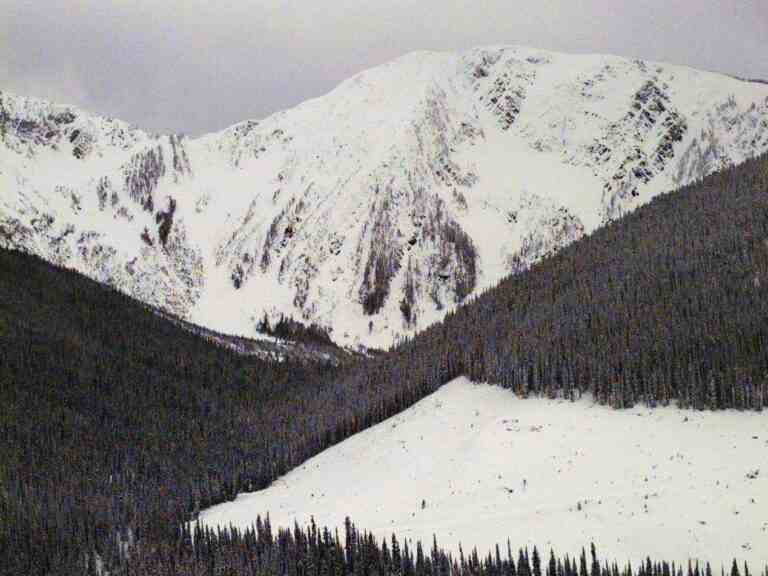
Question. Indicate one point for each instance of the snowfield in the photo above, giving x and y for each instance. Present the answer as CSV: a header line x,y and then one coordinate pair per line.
x,y
673,484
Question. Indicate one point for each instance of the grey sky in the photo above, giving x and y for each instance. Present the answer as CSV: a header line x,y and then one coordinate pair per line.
x,y
194,66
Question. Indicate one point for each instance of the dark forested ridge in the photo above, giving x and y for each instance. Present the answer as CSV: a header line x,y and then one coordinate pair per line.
x,y
115,417
670,302
119,425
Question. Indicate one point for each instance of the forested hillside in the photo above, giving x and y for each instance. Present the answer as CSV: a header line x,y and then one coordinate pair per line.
x,y
669,302
118,425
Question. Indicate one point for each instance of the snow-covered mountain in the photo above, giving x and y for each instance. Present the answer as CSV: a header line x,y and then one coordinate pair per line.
x,y
376,208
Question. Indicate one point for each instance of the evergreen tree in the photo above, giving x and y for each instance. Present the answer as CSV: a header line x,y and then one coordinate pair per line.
x,y
536,562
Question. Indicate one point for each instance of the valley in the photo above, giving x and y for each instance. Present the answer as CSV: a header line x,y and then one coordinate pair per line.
x,y
495,293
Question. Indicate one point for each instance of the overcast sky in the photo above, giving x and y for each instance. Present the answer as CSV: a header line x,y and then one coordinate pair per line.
x,y
195,66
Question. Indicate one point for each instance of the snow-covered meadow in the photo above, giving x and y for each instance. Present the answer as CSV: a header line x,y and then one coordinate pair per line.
x,y
475,465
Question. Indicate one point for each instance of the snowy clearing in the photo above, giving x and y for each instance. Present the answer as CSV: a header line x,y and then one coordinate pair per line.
x,y
668,483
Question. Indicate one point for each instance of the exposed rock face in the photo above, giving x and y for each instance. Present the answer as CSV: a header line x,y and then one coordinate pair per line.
x,y
377,208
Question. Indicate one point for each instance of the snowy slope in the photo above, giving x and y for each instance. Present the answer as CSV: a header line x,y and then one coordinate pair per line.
x,y
376,208
668,483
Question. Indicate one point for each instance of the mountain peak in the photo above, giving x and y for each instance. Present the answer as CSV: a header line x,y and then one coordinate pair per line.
x,y
378,207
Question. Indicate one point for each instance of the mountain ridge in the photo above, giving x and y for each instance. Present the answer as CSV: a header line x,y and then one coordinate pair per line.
x,y
376,208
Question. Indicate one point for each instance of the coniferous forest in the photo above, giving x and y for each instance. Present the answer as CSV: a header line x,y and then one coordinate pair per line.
x,y
118,425
670,302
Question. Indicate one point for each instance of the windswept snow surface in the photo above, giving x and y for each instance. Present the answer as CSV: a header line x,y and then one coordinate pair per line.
x,y
666,482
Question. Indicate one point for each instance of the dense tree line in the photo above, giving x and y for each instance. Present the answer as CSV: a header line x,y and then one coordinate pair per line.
x,y
312,551
118,425
289,329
